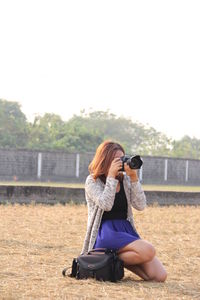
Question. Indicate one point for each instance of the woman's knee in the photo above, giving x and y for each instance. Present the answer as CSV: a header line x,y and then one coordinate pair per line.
x,y
144,250
150,252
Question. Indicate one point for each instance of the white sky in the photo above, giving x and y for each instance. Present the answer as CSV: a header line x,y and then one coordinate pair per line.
x,y
139,59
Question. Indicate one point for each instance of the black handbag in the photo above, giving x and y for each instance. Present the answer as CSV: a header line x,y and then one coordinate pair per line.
x,y
101,264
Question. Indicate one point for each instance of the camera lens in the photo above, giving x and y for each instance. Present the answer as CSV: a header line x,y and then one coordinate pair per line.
x,y
135,162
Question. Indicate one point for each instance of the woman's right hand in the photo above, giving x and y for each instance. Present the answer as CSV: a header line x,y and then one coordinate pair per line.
x,y
115,166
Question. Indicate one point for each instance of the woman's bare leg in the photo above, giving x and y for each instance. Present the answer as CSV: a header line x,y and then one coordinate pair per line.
x,y
155,270
137,252
139,257
138,271
152,270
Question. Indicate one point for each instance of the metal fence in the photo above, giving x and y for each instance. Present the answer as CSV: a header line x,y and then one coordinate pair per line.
x,y
58,166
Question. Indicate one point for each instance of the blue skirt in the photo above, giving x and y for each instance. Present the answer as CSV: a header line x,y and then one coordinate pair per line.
x,y
115,234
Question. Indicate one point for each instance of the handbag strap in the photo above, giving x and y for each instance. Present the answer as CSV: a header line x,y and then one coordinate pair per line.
x,y
105,250
97,250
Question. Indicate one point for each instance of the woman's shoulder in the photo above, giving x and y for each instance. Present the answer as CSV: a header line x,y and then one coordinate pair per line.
x,y
90,179
92,184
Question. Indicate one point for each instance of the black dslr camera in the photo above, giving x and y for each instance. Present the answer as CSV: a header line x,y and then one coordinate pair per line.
x,y
134,162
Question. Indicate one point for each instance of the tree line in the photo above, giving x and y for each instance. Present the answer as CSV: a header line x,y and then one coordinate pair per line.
x,y
84,132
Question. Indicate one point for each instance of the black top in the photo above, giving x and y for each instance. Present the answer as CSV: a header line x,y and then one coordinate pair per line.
x,y
119,209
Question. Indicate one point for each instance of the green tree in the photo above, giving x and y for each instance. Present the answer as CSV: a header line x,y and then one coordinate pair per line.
x,y
87,130
14,129
155,143
84,132
46,131
186,147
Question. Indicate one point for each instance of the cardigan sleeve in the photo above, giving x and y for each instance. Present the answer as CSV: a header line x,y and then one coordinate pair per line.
x,y
102,195
137,195
138,198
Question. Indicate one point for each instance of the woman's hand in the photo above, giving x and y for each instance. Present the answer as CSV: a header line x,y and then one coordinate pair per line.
x,y
132,173
115,166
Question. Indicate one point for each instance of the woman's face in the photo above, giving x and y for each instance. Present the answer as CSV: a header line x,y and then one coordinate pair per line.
x,y
118,154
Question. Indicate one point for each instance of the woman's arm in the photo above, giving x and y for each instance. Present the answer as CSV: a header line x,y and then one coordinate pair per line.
x,y
137,196
103,196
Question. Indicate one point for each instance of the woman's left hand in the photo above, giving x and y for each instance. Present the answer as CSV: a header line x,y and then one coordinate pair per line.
x,y
132,173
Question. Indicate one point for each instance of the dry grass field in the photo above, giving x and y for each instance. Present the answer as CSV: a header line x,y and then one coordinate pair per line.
x,y
37,242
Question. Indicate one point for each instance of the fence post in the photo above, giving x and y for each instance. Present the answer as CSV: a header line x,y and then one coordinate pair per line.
x,y
39,168
165,174
77,164
186,170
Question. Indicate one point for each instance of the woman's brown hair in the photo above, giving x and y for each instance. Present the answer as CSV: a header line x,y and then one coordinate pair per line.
x,y
103,158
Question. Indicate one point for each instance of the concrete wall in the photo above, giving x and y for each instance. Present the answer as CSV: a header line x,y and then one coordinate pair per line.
x,y
27,165
53,195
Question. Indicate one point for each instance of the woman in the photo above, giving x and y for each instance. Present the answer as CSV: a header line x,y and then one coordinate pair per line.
x,y
110,196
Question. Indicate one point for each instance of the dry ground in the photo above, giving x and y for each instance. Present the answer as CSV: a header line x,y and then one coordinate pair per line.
x,y
37,242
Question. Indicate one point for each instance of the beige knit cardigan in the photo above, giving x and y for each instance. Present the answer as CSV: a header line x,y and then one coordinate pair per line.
x,y
100,197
